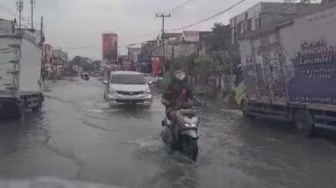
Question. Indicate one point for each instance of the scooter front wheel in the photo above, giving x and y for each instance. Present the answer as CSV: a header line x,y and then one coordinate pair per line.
x,y
190,148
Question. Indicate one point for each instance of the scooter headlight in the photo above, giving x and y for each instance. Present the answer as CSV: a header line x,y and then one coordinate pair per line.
x,y
190,125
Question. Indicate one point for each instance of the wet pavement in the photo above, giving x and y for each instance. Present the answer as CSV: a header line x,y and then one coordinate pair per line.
x,y
78,137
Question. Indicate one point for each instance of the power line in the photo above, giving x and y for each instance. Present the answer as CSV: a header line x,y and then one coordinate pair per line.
x,y
209,18
8,11
150,33
179,6
93,46
96,46
14,14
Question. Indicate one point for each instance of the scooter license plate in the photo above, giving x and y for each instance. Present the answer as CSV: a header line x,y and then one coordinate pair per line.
x,y
191,133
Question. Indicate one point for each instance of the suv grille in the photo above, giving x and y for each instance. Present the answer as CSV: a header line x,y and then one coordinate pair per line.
x,y
130,92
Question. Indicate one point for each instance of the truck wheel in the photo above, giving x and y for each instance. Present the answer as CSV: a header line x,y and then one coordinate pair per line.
x,y
244,109
38,107
18,110
42,97
304,123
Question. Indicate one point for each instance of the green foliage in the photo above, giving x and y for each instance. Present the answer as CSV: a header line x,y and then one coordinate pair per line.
x,y
97,64
222,58
88,67
220,38
177,63
86,63
217,63
77,60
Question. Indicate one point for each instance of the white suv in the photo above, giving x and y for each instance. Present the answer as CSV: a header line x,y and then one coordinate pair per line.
x,y
128,87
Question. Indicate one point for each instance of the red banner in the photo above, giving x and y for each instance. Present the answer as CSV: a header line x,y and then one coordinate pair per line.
x,y
156,66
110,46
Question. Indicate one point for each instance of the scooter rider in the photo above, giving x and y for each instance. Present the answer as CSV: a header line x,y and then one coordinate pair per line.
x,y
177,95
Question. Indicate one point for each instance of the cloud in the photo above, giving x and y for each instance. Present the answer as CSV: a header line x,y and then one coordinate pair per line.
x,y
80,23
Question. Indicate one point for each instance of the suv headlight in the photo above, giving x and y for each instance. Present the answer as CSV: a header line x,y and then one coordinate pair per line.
x,y
147,91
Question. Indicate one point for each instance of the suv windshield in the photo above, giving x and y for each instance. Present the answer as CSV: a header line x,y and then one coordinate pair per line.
x,y
131,79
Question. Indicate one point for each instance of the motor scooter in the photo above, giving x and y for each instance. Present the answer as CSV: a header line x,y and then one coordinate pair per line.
x,y
186,141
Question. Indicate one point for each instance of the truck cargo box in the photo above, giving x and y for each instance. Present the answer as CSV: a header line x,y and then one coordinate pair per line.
x,y
6,27
289,71
20,70
294,62
20,65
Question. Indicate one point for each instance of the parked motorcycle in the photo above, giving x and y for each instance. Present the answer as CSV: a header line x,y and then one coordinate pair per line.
x,y
186,142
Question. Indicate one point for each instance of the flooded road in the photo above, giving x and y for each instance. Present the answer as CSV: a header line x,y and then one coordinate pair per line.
x,y
78,137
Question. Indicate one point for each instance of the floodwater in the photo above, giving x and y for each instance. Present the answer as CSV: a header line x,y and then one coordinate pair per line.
x,y
77,136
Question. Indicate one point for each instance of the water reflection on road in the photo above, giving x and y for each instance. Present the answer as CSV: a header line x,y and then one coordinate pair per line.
x,y
78,137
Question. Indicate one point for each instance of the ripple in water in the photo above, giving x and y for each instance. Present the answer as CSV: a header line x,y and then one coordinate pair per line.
x,y
150,144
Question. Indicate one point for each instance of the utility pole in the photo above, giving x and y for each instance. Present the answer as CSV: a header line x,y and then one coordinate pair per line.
x,y
163,16
32,6
19,6
42,32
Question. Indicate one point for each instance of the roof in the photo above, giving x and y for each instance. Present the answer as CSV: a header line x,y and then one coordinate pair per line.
x,y
127,72
193,36
191,33
286,22
205,34
285,5
168,35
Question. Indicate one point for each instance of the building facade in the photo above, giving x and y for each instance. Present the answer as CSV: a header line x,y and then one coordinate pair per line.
x,y
264,14
133,53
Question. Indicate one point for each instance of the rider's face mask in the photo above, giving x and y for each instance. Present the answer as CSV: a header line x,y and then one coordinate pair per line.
x,y
181,75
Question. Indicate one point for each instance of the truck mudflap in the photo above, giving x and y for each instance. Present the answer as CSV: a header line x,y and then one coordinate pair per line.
x,y
9,106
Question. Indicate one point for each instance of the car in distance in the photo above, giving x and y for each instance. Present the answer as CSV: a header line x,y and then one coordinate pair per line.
x,y
151,79
127,87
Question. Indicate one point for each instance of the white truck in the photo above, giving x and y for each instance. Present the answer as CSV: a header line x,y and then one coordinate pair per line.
x,y
288,71
20,71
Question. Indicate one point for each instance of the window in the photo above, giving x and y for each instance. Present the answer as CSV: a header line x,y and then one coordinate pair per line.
x,y
238,28
130,79
257,23
249,25
244,28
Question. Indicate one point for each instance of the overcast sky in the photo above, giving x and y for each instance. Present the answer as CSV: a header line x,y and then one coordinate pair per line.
x,y
79,23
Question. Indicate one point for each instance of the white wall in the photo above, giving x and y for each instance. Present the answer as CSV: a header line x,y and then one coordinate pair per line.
x,y
30,67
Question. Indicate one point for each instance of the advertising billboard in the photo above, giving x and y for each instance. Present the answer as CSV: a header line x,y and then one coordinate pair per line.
x,y
157,67
110,47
